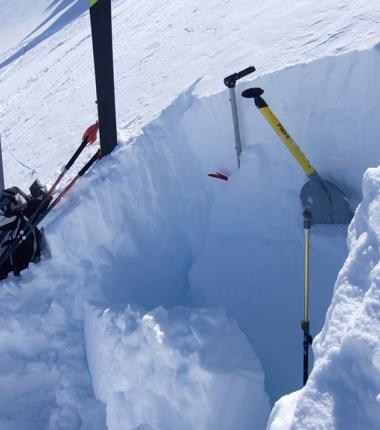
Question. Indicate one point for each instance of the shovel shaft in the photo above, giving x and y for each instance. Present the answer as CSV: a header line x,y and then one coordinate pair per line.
x,y
285,137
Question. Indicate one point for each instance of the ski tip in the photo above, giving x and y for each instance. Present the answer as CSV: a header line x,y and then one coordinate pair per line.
x,y
218,175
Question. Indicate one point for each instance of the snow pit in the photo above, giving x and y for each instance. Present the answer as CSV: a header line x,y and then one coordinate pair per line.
x,y
168,235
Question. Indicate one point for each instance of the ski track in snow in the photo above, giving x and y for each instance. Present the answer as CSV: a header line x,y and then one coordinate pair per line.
x,y
201,242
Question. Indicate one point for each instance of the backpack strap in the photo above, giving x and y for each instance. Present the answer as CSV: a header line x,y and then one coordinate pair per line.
x,y
8,237
36,235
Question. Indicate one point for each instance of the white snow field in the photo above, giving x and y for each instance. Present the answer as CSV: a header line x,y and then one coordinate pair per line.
x,y
170,296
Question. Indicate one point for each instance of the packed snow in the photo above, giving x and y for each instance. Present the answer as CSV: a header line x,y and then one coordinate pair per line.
x,y
146,246
163,369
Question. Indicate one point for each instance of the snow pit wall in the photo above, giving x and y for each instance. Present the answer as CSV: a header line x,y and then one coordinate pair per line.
x,y
134,214
252,260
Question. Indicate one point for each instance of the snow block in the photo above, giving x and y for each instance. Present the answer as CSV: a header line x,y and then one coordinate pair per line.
x,y
174,369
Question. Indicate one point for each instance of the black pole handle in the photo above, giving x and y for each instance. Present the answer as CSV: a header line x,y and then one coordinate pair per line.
x,y
307,341
305,375
230,81
89,163
245,72
76,154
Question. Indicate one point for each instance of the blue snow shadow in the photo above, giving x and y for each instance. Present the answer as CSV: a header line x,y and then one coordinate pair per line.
x,y
75,9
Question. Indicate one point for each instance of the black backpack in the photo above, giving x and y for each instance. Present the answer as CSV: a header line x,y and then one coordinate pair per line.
x,y
16,208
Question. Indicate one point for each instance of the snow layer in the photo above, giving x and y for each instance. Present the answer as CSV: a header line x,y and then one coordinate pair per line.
x,y
343,391
178,369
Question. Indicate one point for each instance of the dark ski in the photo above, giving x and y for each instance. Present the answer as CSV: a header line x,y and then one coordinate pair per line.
x,y
101,26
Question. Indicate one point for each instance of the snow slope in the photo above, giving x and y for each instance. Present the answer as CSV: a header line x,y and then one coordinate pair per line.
x,y
28,26
160,48
176,237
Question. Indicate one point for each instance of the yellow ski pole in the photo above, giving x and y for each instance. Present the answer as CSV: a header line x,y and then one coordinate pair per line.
x,y
305,323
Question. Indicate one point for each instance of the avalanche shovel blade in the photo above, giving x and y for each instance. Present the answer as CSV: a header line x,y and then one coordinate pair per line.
x,y
328,202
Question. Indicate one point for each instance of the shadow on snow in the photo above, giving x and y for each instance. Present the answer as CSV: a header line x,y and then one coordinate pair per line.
x,y
74,8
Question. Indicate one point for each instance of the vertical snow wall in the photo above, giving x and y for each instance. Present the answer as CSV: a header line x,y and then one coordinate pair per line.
x,y
252,259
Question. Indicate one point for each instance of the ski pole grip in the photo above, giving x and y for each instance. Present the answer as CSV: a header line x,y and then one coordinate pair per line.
x,y
245,72
230,81
76,154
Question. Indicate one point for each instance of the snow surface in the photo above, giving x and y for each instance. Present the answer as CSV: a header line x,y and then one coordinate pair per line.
x,y
167,235
173,369
47,95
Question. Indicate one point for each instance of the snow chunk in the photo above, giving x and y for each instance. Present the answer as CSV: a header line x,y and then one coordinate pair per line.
x,y
174,369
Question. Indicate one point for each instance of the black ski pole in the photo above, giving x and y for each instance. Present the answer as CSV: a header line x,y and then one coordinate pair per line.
x,y
230,83
89,137
101,29
68,187
305,323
